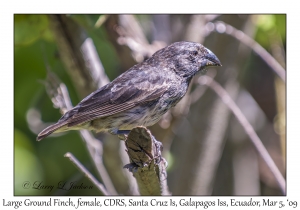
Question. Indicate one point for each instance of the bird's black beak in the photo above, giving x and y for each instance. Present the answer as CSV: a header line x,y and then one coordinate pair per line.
x,y
212,59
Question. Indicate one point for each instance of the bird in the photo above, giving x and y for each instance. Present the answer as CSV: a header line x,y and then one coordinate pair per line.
x,y
141,95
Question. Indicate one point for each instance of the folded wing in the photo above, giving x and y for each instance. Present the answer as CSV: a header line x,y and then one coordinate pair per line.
x,y
120,95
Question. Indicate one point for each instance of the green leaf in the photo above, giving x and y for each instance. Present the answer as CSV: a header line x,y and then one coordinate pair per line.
x,y
27,166
29,28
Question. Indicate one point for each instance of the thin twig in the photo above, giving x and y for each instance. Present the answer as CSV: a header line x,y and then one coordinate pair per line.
x,y
101,20
222,27
59,94
86,173
94,145
205,80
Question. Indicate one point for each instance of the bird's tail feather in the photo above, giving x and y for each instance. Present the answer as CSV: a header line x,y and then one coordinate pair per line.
x,y
49,130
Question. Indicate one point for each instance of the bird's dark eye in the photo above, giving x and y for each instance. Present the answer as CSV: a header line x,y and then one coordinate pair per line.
x,y
195,53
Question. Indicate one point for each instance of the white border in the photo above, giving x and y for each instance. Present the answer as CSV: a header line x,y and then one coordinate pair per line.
x,y
153,6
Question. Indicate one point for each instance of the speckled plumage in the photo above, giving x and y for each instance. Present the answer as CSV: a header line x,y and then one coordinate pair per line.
x,y
142,94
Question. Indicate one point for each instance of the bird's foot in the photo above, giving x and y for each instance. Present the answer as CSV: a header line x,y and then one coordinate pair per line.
x,y
122,134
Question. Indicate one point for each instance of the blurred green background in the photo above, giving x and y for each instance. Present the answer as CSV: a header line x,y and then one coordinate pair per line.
x,y
43,163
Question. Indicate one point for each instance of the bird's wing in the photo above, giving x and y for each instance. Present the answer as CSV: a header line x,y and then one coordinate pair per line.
x,y
137,87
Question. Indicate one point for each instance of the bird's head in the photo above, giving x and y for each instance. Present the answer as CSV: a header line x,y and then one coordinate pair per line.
x,y
188,58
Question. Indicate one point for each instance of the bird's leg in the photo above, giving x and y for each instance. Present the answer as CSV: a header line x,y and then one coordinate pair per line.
x,y
122,134
159,149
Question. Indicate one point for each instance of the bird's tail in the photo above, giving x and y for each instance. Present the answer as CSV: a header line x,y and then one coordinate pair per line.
x,y
51,129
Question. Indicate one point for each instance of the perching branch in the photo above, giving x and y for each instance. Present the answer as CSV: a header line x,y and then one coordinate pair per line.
x,y
205,80
86,173
147,165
